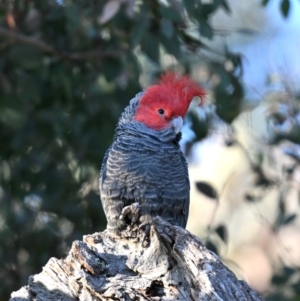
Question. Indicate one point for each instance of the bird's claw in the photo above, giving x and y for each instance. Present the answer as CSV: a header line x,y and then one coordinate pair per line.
x,y
132,211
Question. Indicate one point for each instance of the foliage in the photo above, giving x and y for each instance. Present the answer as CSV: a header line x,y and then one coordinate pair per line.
x,y
285,6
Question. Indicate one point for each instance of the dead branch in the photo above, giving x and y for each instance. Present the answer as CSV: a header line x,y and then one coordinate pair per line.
x,y
169,264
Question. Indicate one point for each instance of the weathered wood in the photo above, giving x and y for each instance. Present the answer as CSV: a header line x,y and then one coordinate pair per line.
x,y
167,264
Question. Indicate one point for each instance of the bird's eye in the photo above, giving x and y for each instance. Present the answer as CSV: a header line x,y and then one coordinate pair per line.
x,y
161,111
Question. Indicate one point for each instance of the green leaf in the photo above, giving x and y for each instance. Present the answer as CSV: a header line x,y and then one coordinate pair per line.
x,y
222,232
202,13
281,205
167,28
250,198
207,189
200,127
139,30
265,2
12,118
226,6
206,30
292,134
276,296
111,68
73,17
110,9
289,219
284,276
212,247
288,272
169,14
296,288
281,213
228,95
279,279
26,57
150,46
285,7
172,45
190,6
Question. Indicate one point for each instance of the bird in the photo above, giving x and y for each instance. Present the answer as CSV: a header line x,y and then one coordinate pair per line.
x,y
144,170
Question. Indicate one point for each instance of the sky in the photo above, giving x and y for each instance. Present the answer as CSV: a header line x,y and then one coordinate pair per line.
x,y
274,50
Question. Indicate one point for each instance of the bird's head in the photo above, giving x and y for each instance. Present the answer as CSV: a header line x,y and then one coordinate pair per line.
x,y
165,104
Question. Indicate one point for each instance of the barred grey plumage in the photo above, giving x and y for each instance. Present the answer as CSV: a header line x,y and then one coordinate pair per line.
x,y
144,166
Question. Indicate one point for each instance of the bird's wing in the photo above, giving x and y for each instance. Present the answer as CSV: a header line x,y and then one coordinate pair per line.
x,y
158,180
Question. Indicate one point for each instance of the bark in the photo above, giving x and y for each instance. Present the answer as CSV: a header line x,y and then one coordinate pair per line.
x,y
165,263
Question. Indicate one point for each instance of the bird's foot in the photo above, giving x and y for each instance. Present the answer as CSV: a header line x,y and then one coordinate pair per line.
x,y
132,212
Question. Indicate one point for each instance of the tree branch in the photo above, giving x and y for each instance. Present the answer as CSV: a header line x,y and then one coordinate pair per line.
x,y
168,263
41,45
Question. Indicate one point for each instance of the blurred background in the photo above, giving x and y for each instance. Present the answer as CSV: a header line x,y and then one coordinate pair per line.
x,y
67,70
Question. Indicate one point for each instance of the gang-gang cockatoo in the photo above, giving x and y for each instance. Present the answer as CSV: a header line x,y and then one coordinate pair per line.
x,y
144,165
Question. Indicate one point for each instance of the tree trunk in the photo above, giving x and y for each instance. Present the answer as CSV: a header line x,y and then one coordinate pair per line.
x,y
168,263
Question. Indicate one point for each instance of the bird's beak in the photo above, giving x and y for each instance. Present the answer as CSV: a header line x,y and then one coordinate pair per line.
x,y
177,124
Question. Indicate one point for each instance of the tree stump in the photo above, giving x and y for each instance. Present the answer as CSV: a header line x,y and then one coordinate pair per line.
x,y
167,263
